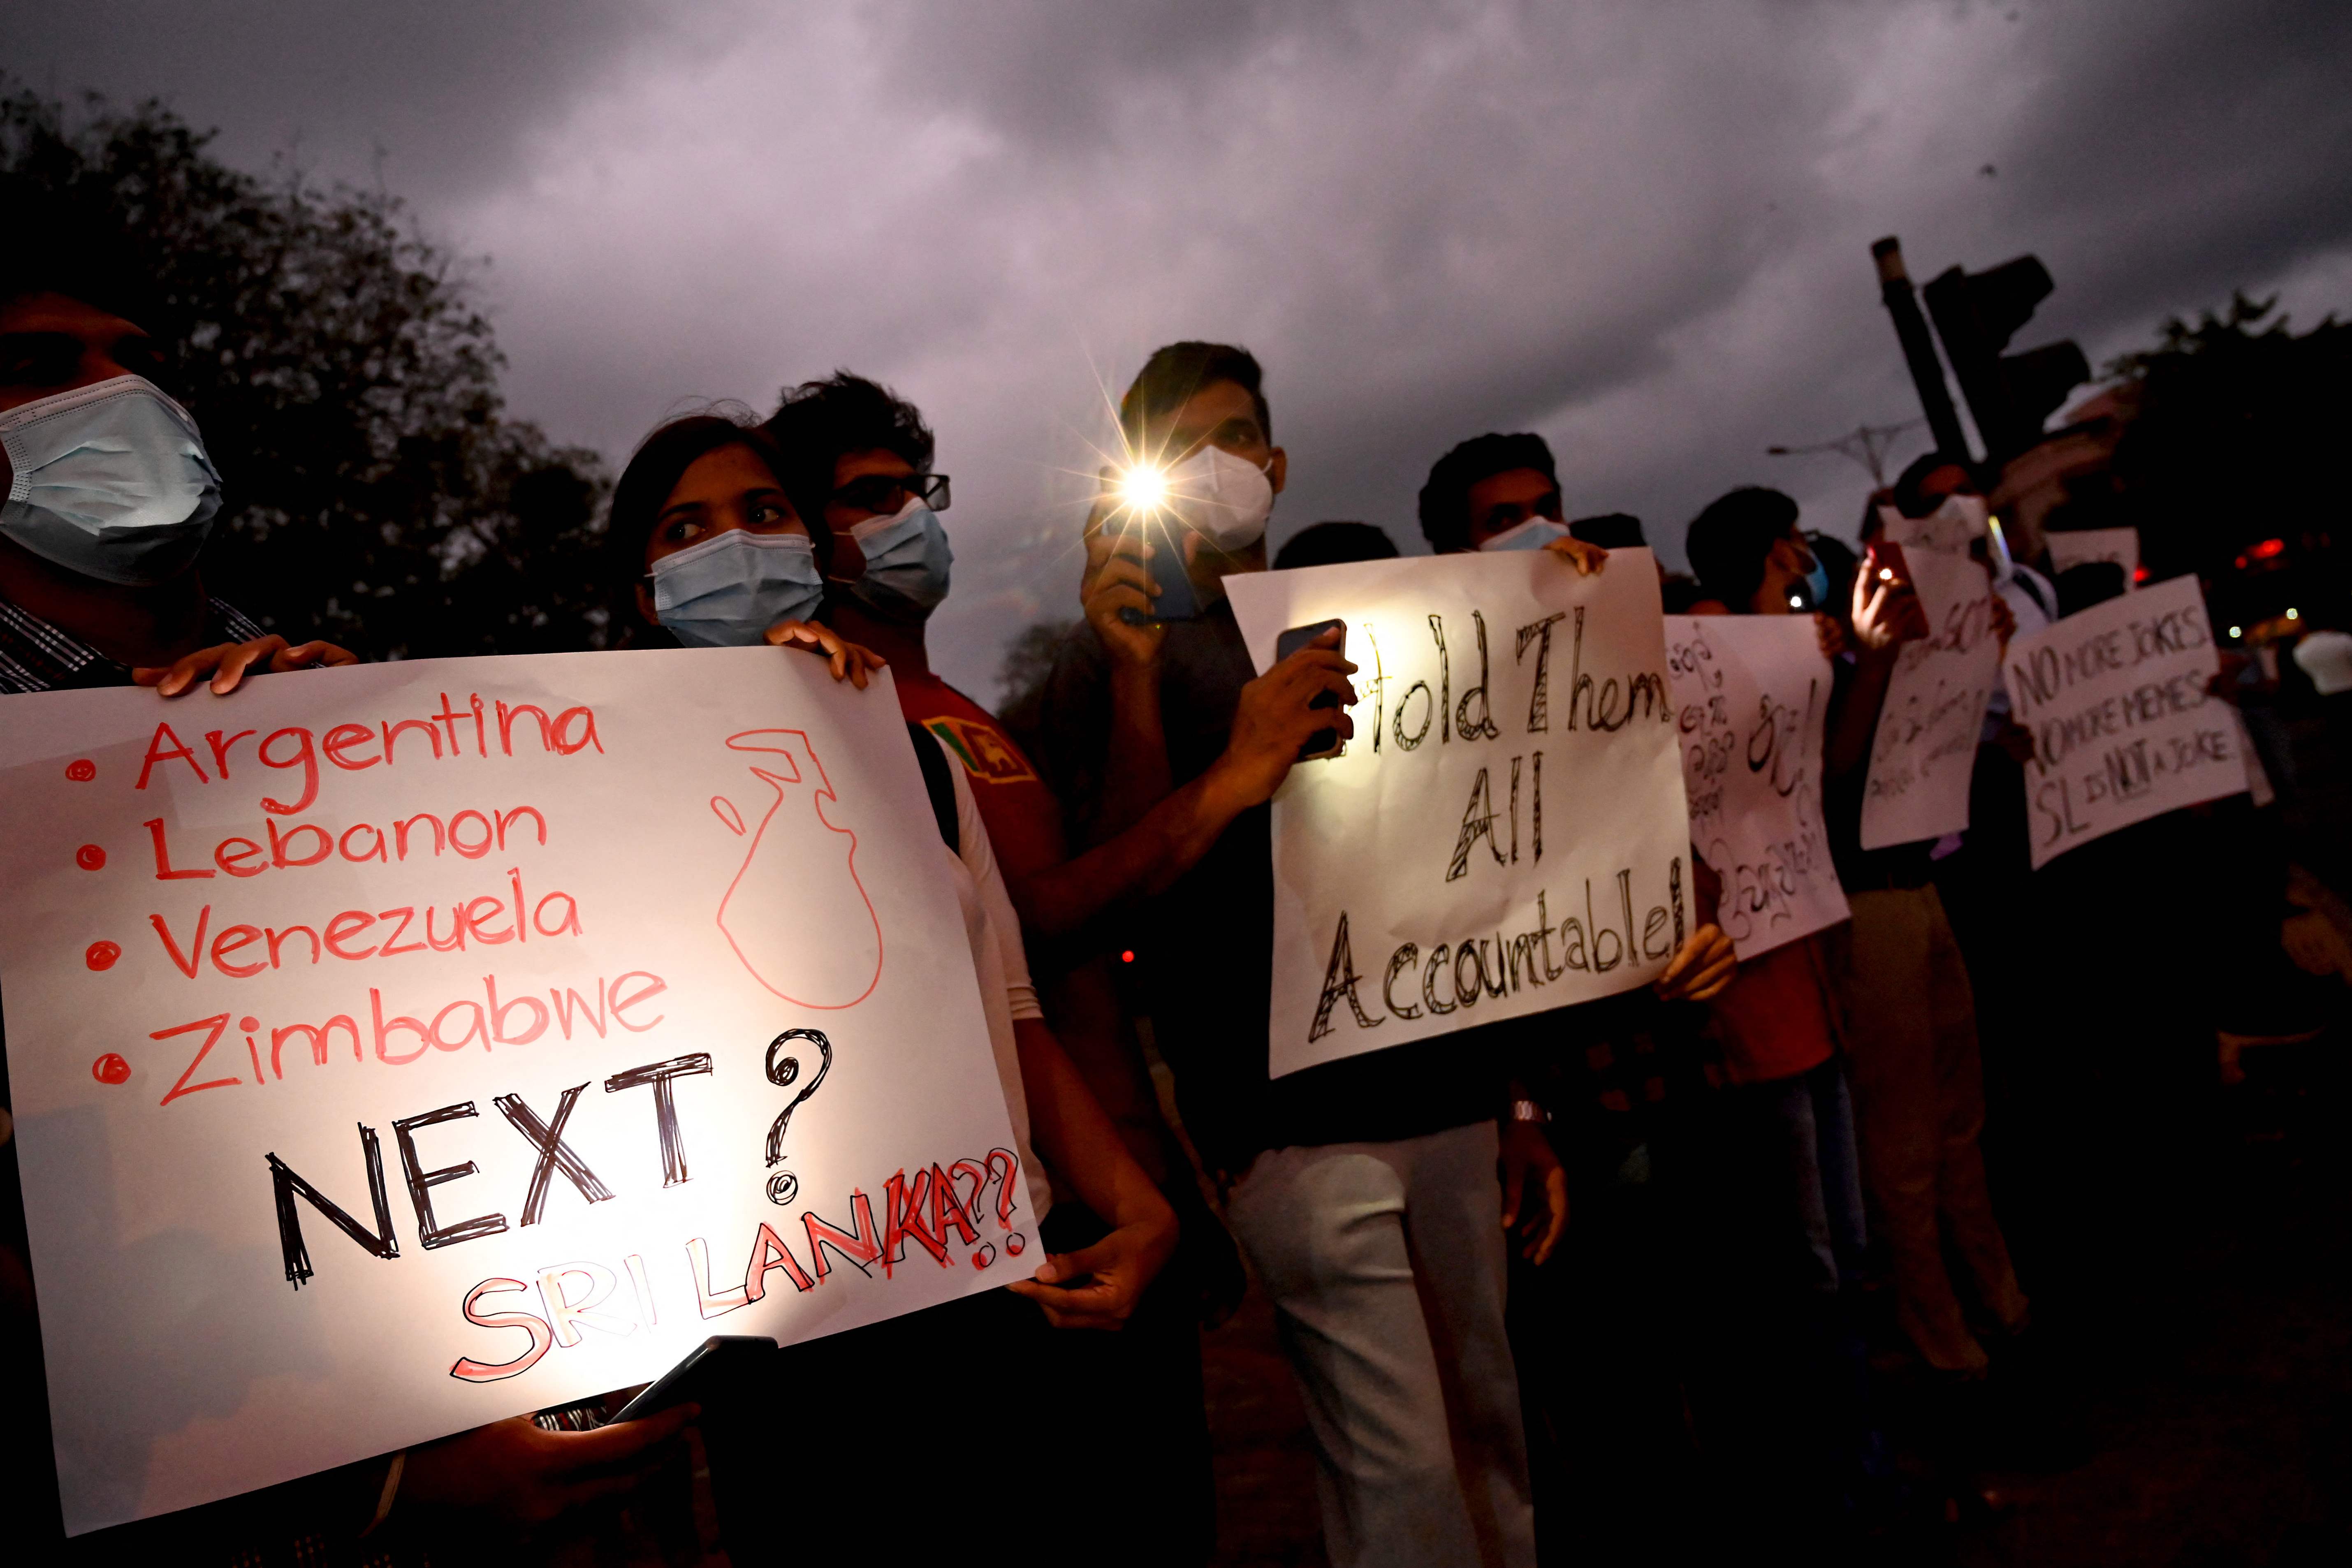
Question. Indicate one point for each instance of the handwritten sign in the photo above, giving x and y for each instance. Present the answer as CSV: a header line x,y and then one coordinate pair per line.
x,y
1925,744
2122,726
1752,695
2075,548
400,1048
1506,832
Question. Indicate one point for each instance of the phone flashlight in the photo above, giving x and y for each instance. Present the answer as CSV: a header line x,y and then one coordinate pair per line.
x,y
1143,488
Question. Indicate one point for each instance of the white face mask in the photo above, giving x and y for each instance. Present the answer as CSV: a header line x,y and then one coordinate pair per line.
x,y
1223,499
1532,534
112,481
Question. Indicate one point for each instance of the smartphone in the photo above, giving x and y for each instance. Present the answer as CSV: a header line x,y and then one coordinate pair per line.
x,y
1177,601
717,1356
1323,743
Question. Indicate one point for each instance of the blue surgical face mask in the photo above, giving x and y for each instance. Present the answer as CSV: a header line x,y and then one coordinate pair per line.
x,y
907,561
1817,583
727,591
1532,534
111,481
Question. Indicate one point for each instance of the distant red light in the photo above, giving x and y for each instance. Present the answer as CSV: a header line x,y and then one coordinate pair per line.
x,y
2139,574
1127,956
2268,547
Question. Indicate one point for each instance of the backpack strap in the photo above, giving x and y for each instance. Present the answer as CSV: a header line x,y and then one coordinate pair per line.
x,y
937,782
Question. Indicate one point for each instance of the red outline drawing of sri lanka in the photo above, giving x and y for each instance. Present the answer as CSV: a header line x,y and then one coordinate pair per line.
x,y
792,912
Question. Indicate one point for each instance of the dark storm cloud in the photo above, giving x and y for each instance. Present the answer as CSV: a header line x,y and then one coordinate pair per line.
x,y
444,88
1641,229
2170,163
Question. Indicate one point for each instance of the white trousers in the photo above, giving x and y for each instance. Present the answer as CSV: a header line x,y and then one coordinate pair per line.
x,y
1386,1263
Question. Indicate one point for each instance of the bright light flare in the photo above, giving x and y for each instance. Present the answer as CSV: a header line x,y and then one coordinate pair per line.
x,y
1143,488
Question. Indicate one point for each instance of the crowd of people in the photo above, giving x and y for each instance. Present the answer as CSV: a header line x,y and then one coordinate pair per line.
x,y
1531,1278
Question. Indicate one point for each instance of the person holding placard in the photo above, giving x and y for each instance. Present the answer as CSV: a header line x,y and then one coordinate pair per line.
x,y
865,456
1781,1030
710,548
101,585
1918,1078
1356,1186
1153,707
1623,1084
1777,1021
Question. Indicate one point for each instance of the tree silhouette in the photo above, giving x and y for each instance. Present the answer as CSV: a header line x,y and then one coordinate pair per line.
x,y
2233,445
347,381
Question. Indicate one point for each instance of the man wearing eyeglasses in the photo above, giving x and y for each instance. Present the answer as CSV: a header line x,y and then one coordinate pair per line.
x,y
861,457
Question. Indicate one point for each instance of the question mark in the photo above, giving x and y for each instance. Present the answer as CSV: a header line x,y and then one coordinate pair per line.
x,y
784,1072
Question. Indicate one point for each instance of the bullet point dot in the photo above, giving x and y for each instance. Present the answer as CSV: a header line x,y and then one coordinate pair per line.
x,y
111,1069
89,858
101,954
82,770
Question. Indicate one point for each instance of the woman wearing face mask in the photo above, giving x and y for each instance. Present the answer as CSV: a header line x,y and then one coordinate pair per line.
x,y
724,557
710,552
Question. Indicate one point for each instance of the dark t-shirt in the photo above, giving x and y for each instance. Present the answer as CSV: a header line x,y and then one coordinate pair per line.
x,y
1204,949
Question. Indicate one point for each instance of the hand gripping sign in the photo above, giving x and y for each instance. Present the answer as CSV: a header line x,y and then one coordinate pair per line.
x,y
1506,832
400,1048
1751,695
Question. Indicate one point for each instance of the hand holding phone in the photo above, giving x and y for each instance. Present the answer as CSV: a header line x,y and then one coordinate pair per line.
x,y
1153,525
1886,608
1322,743
710,1364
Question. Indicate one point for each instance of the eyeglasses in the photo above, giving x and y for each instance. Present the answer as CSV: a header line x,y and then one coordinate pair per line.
x,y
882,494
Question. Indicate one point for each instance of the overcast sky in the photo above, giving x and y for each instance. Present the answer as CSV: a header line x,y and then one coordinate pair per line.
x,y
1641,228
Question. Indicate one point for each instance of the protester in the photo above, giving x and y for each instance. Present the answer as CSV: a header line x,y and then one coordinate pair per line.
x,y
1623,1085
1355,1186
1494,492
112,498
724,558
1789,1109
1912,1040
866,456
1145,709
1777,1021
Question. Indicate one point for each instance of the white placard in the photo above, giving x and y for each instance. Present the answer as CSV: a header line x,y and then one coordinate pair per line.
x,y
1950,529
2124,728
1751,695
408,925
1924,748
1507,833
2120,545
